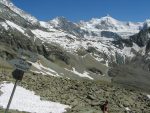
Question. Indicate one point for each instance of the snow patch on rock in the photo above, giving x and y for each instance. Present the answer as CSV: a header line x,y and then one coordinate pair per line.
x,y
44,70
13,25
4,25
84,74
148,96
25,100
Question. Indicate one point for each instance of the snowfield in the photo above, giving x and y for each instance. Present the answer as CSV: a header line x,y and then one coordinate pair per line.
x,y
108,23
84,74
44,70
13,25
148,96
25,100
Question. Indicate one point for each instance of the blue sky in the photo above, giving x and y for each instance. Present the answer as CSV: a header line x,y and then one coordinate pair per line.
x,y
76,10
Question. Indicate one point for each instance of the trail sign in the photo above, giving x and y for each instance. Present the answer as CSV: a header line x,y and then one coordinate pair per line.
x,y
22,64
17,74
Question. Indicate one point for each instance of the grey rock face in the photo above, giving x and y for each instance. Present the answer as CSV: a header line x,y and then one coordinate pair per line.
x,y
109,34
141,38
68,26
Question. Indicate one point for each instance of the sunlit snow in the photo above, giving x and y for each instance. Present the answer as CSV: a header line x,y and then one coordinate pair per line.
x,y
23,14
13,25
84,74
127,109
44,70
25,100
148,96
4,25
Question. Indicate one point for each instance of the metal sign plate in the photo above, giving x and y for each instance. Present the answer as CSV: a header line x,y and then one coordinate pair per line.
x,y
24,60
20,64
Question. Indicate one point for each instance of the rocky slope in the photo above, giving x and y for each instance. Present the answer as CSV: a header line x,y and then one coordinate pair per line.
x,y
85,96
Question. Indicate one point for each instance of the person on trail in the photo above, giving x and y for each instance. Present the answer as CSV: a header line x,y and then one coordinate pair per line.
x,y
105,107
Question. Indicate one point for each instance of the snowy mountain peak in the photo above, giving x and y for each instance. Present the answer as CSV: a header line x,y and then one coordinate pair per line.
x,y
108,18
111,24
108,23
20,12
58,21
146,24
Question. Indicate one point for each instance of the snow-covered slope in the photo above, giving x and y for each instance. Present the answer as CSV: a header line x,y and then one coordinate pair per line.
x,y
146,24
108,23
111,24
23,14
25,100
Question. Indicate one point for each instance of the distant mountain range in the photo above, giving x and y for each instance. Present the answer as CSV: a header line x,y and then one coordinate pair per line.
x,y
85,49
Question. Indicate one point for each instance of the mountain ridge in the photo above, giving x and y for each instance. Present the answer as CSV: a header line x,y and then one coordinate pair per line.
x,y
63,40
